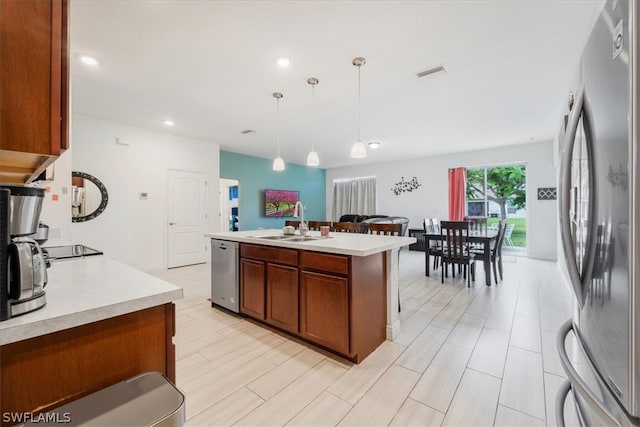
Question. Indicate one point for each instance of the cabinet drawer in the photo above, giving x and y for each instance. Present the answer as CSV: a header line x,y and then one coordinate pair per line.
x,y
324,262
266,253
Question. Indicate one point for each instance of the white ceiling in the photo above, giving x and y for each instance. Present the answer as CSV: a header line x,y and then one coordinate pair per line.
x,y
210,66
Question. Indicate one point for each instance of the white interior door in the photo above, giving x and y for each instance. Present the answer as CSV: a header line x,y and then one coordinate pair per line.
x,y
186,218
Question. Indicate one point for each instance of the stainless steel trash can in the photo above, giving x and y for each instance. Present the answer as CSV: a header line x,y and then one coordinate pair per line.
x,y
149,399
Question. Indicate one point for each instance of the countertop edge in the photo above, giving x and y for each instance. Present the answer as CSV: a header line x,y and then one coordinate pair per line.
x,y
55,324
393,242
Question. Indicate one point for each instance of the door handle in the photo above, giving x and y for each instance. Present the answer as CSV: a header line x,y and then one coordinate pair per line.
x,y
172,223
577,278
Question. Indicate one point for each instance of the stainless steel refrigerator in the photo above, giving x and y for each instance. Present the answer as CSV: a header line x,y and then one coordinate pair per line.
x,y
599,346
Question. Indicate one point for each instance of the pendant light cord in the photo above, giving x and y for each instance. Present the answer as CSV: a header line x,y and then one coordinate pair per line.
x,y
359,66
278,124
313,114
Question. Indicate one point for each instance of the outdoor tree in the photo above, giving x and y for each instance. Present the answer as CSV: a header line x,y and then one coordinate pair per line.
x,y
506,184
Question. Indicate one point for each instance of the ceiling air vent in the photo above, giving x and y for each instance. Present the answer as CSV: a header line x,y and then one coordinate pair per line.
x,y
246,131
430,71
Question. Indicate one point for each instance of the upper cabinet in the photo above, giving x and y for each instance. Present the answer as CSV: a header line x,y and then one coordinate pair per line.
x,y
34,86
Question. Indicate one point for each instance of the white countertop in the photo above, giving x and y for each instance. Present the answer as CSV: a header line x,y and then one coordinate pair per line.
x,y
337,243
85,290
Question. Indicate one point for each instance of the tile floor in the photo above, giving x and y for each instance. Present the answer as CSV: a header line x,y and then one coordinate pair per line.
x,y
476,356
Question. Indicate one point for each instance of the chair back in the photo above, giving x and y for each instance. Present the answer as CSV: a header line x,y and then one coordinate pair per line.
x,y
292,223
385,229
502,228
346,227
315,225
455,240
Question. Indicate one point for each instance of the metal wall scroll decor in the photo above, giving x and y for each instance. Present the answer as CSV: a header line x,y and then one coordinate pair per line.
x,y
405,186
619,178
549,193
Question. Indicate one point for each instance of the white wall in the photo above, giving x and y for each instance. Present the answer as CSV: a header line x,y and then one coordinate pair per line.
x,y
132,230
431,199
57,213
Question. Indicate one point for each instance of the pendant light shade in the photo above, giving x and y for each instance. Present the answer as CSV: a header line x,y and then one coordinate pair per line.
x,y
278,163
313,159
358,149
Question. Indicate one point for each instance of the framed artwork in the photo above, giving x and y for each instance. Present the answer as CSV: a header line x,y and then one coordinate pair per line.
x,y
280,203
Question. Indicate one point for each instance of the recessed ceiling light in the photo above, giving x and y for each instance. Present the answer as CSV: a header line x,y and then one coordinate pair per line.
x,y
89,60
283,62
168,122
374,145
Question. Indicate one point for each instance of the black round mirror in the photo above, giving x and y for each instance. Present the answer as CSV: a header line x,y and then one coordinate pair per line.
x,y
89,197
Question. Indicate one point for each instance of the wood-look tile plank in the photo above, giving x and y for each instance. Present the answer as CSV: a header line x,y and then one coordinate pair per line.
x,y
392,389
415,414
228,410
466,332
522,383
325,410
526,333
449,316
475,400
550,356
278,378
507,417
439,382
286,404
421,351
284,352
357,380
412,327
490,352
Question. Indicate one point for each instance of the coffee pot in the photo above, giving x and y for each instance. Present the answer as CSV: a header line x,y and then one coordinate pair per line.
x,y
23,267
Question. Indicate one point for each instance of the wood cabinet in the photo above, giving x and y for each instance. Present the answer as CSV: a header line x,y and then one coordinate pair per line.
x,y
269,285
335,301
34,83
282,297
252,288
44,372
324,310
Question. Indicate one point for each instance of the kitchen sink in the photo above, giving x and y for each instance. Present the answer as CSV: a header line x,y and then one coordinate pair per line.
x,y
304,238
276,237
290,238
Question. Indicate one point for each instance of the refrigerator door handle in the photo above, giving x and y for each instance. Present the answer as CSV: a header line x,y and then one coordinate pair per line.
x,y
561,397
580,108
577,384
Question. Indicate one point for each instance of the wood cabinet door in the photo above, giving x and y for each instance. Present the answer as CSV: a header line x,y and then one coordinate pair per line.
x,y
324,310
252,288
34,83
282,297
34,78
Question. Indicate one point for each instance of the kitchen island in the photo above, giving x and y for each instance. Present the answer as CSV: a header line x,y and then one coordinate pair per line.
x,y
338,292
104,322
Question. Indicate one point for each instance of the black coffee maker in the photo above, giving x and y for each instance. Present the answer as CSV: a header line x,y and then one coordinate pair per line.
x,y
23,268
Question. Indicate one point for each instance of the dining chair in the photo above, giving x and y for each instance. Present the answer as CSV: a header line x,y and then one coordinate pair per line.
x,y
292,223
455,249
345,227
385,229
507,234
495,257
315,225
432,226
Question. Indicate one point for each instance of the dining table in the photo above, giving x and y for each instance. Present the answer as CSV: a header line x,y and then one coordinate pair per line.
x,y
483,237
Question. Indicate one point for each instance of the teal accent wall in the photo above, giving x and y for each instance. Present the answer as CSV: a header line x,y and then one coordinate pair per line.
x,y
255,175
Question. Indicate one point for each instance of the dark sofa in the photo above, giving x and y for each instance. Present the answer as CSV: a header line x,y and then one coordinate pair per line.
x,y
382,219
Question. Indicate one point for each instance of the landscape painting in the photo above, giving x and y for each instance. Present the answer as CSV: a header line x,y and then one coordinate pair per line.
x,y
280,203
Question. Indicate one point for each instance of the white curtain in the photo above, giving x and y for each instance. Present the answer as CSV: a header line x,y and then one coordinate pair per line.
x,y
354,196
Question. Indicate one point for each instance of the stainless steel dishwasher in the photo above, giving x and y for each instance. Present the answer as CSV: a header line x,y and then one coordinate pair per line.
x,y
225,281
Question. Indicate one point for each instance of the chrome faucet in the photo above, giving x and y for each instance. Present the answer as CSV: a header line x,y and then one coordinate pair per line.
x,y
303,226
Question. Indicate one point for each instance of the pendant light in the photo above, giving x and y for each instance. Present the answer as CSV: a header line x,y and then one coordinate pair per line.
x,y
358,150
312,158
278,163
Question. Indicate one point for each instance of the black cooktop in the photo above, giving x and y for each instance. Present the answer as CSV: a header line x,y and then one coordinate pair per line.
x,y
71,251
